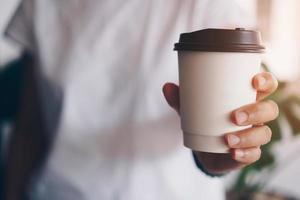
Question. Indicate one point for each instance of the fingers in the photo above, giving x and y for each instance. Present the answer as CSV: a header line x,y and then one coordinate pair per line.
x,y
245,144
246,156
265,84
171,93
251,137
257,113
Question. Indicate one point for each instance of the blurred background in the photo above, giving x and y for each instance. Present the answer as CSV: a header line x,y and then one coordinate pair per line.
x,y
7,51
275,177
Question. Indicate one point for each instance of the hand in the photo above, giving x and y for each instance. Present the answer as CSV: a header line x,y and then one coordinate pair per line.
x,y
244,145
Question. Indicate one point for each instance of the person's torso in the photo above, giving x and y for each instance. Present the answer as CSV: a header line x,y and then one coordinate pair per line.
x,y
117,138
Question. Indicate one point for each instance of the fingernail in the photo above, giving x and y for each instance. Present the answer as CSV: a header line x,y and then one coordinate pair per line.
x,y
239,154
261,81
241,117
233,140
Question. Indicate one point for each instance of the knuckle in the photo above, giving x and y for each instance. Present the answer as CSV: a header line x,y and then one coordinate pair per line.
x,y
268,133
254,110
275,82
272,80
261,106
243,140
256,154
268,76
252,155
274,107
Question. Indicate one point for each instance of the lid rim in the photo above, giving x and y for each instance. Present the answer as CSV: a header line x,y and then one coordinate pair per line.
x,y
214,48
221,40
223,50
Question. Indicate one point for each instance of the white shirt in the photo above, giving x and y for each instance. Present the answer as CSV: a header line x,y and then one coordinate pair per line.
x,y
102,67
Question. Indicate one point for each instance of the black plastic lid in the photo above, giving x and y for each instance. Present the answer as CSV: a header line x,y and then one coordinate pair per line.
x,y
221,40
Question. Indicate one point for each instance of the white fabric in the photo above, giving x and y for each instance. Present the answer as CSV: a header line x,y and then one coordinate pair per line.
x,y
117,138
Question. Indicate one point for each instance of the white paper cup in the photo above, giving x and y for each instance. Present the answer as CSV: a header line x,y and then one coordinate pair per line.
x,y
212,85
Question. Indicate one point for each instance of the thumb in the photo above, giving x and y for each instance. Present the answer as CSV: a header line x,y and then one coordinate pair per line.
x,y
171,93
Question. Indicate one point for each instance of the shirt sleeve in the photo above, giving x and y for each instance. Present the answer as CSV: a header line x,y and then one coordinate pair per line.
x,y
20,29
200,166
